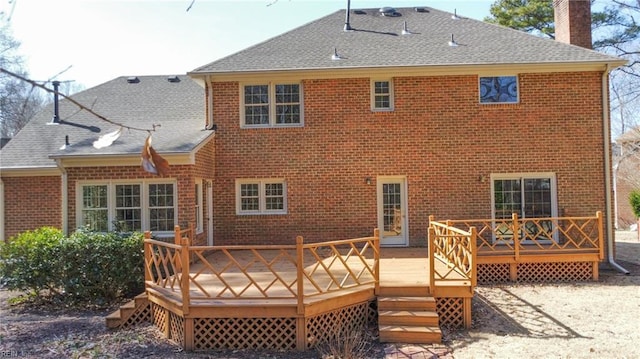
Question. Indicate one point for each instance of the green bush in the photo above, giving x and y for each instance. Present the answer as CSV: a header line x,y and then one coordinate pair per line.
x,y
634,200
102,266
27,261
85,267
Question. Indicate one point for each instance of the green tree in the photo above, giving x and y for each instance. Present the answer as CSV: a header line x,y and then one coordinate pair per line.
x,y
534,16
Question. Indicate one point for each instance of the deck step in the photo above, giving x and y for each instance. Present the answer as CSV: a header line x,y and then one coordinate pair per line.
x,y
122,314
410,334
404,290
406,303
408,317
403,317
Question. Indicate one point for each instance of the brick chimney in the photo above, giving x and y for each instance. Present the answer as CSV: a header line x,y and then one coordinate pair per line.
x,y
573,22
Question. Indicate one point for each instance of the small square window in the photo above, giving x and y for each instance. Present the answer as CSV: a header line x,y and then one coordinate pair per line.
x,y
499,89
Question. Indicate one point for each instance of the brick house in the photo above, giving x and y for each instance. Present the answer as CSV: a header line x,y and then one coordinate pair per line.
x,y
52,175
360,119
410,112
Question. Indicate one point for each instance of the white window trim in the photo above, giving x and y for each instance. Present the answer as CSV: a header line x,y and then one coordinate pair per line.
x,y
498,75
261,194
373,95
272,104
111,200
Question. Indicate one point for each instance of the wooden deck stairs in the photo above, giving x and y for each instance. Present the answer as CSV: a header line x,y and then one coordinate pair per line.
x,y
408,315
130,313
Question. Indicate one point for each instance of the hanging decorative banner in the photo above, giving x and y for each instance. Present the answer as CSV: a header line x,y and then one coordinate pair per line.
x,y
152,162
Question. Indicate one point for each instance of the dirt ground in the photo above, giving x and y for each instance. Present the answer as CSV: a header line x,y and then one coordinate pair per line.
x,y
582,320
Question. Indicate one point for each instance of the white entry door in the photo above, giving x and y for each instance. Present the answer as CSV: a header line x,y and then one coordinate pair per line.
x,y
392,211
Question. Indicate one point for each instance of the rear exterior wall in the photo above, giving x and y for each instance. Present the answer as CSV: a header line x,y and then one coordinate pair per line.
x,y
439,137
31,203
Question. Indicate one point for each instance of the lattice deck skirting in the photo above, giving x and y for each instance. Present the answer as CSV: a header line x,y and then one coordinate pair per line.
x,y
276,333
451,311
491,273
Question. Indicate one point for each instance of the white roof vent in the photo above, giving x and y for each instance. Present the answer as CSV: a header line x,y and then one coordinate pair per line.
x,y
335,55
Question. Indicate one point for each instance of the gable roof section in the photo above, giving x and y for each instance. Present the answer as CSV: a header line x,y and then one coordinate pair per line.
x,y
178,107
377,41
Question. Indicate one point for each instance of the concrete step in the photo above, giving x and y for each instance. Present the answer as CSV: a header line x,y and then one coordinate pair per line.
x,y
410,334
406,303
402,317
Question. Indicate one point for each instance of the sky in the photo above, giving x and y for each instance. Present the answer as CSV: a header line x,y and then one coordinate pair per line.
x,y
90,42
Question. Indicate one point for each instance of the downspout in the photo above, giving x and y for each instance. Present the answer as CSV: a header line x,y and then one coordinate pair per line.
x,y
607,169
2,229
65,198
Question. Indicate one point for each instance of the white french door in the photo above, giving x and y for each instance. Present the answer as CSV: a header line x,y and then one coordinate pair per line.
x,y
392,211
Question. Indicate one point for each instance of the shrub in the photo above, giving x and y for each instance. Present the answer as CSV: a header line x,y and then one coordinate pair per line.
x,y
634,200
102,266
85,267
27,261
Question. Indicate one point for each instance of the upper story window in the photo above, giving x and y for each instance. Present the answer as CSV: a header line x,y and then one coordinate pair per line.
x,y
499,89
272,105
255,196
130,206
381,95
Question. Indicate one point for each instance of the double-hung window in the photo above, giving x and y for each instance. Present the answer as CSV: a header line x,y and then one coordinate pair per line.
x,y
381,95
272,105
261,196
94,215
130,206
498,89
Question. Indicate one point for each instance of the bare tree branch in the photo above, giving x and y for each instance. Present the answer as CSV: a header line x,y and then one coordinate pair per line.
x,y
81,106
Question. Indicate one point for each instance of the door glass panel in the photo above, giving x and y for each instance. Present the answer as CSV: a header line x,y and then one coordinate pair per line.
x,y
392,209
537,204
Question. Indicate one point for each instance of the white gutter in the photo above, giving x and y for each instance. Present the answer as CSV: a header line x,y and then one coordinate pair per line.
x,y
607,169
65,197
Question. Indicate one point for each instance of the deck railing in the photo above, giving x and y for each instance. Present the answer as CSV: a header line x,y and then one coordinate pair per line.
x,y
555,235
261,272
456,249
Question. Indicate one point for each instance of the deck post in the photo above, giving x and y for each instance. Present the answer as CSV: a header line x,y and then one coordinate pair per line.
x,y
376,261
184,277
431,246
601,235
474,256
300,273
301,330
177,236
516,236
147,258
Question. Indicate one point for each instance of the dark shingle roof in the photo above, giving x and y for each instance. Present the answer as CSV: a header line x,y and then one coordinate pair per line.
x,y
377,41
178,107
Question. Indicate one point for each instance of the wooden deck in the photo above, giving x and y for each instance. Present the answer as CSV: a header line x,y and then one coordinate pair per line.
x,y
287,296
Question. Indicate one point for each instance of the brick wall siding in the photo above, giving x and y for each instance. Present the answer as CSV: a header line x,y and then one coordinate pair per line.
x,y
30,203
439,137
